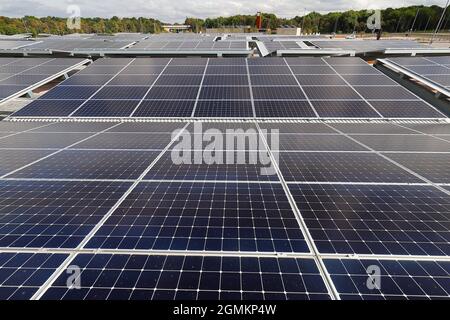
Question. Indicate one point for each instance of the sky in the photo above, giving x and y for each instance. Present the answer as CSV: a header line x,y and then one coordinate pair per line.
x,y
178,10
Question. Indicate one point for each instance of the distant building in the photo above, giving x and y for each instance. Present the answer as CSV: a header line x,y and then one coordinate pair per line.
x,y
177,27
289,31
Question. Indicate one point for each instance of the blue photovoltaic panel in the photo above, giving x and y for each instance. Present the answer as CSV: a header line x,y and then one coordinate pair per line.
x,y
18,75
229,166
203,216
121,93
340,167
291,142
42,140
14,159
344,109
376,219
420,143
106,108
433,166
12,127
70,92
165,108
113,140
49,108
283,109
399,279
90,164
161,277
224,108
22,274
283,88
53,214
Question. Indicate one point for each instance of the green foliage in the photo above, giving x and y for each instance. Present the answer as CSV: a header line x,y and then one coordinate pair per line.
x,y
393,20
55,25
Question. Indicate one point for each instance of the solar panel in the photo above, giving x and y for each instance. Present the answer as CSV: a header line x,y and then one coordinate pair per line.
x,y
90,164
375,219
340,167
367,46
236,166
21,75
53,214
404,143
163,277
203,216
292,142
44,140
433,166
399,279
22,274
15,159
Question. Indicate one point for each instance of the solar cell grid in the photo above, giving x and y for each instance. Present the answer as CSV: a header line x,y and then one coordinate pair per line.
x,y
406,109
344,109
203,216
404,143
70,92
110,140
191,278
106,108
283,109
53,214
340,167
375,219
289,142
224,108
41,140
14,159
400,279
153,127
22,274
165,108
6,126
428,128
50,108
297,128
90,164
74,127
433,166
231,166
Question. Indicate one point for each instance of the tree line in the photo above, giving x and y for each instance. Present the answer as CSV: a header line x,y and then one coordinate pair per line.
x,y
415,18
58,26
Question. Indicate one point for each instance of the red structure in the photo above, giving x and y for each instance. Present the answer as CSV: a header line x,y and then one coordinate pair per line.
x,y
258,21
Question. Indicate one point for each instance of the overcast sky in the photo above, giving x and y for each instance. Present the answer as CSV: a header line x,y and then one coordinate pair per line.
x,y
178,10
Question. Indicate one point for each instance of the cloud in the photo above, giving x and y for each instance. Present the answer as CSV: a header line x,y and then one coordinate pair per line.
x,y
177,11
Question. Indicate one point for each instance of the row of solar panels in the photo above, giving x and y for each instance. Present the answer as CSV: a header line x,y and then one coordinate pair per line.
x,y
203,44
233,88
360,189
124,44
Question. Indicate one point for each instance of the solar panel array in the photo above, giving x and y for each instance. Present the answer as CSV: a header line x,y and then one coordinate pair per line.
x,y
20,75
69,45
97,189
192,45
432,69
230,88
111,186
366,46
